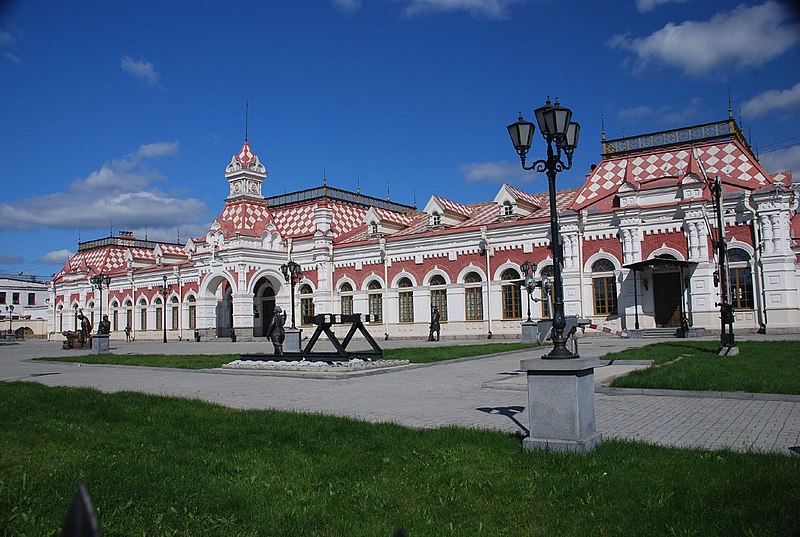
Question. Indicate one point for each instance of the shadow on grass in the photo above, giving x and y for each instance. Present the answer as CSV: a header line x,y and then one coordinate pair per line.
x,y
510,412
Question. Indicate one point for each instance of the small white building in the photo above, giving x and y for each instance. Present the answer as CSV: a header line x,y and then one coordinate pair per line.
x,y
24,306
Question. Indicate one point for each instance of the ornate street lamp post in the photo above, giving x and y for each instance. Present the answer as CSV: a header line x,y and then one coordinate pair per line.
x,y
165,289
292,273
10,313
98,281
726,338
561,135
528,269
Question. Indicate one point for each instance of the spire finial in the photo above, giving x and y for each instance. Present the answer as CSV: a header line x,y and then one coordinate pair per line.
x,y
730,108
414,196
358,184
324,175
602,127
388,197
246,118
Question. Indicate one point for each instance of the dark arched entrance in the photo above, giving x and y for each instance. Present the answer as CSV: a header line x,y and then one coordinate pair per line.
x,y
263,306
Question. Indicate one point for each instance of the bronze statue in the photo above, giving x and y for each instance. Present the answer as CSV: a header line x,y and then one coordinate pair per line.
x,y
105,325
275,331
435,326
86,330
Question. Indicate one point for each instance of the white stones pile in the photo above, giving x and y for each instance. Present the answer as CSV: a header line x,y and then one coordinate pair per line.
x,y
296,365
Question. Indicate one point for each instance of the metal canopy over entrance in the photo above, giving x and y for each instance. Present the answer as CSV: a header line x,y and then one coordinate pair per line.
x,y
668,290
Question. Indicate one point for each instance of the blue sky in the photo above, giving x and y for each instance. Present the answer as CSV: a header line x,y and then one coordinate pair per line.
x,y
125,115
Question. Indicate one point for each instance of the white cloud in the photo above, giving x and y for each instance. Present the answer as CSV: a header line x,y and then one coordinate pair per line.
x,y
10,259
158,149
121,191
635,112
6,38
782,160
772,100
13,58
747,36
678,114
491,9
649,5
122,175
140,69
495,172
56,257
348,6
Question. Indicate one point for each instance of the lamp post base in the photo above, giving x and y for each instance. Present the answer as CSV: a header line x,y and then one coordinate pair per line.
x,y
560,353
293,339
99,343
561,410
529,332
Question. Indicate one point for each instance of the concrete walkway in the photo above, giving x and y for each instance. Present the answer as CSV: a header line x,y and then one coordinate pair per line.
x,y
485,393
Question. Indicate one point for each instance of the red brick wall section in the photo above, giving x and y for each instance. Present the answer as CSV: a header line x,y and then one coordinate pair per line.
x,y
740,233
674,239
311,275
610,246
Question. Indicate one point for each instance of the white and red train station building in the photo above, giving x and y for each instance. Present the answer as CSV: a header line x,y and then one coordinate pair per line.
x,y
646,206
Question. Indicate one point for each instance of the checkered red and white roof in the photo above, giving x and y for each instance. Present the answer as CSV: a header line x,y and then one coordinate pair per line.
x,y
727,158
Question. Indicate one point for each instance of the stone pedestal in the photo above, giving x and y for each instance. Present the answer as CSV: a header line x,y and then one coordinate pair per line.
x,y
561,405
635,333
10,337
529,332
292,341
99,343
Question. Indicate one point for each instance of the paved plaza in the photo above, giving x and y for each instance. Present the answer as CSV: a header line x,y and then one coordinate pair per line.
x,y
487,392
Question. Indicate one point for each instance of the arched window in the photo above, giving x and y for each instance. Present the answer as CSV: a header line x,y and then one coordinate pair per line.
x,y
741,279
90,305
604,287
512,303
405,300
192,312
60,318
546,295
306,303
159,314
142,314
473,296
173,303
346,292
114,315
375,293
129,314
439,295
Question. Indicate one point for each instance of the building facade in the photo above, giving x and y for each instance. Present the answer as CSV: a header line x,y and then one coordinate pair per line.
x,y
24,306
637,238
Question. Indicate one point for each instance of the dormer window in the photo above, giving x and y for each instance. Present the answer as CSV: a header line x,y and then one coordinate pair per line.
x,y
508,209
436,219
374,228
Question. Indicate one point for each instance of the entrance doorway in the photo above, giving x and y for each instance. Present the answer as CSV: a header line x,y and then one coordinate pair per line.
x,y
263,306
667,299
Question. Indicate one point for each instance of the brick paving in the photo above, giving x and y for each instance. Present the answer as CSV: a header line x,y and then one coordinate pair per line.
x,y
486,393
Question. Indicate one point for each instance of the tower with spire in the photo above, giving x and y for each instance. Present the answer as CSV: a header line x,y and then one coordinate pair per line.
x,y
245,173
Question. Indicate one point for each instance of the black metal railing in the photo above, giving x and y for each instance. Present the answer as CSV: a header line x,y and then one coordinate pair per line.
x,y
335,194
718,130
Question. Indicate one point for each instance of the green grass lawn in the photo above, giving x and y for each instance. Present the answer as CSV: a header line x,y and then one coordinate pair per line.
x,y
760,367
416,355
162,466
